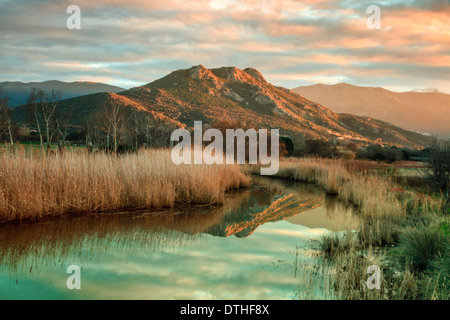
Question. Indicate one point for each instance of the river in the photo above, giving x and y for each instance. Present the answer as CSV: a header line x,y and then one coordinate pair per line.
x,y
256,246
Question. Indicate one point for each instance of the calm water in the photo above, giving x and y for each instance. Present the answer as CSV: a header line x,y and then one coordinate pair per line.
x,y
256,246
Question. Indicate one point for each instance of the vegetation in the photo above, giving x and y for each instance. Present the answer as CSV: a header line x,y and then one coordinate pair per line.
x,y
420,245
401,230
340,149
8,128
438,169
36,184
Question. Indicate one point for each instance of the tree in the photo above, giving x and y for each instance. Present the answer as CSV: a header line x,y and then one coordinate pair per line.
x,y
392,154
319,148
62,123
88,131
299,142
112,119
236,124
148,123
376,152
139,126
43,108
7,125
147,129
35,99
48,112
437,170
158,131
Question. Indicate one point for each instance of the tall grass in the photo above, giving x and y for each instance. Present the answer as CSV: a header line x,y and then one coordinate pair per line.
x,y
379,207
35,185
344,267
386,213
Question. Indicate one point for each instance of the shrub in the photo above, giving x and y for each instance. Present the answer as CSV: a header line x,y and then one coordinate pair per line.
x,y
420,245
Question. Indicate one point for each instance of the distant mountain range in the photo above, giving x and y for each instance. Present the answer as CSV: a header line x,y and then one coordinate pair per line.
x,y
229,93
18,92
427,111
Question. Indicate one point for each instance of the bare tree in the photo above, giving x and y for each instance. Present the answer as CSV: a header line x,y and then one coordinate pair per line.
x,y
43,109
48,110
62,123
157,131
437,170
88,128
148,125
112,119
161,133
6,121
146,129
119,125
137,126
35,99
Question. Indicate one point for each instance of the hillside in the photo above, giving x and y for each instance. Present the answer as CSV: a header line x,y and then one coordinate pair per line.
x,y
418,111
18,92
229,93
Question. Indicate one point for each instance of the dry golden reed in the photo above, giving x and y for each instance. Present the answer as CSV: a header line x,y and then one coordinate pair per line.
x,y
380,208
34,185
374,195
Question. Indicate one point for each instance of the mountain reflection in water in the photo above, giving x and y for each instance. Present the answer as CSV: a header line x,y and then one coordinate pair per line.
x,y
205,252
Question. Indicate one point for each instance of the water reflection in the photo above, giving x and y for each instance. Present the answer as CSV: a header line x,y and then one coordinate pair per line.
x,y
334,216
205,252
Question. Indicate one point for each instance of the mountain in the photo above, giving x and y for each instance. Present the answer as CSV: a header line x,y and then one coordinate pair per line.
x,y
426,111
18,92
229,93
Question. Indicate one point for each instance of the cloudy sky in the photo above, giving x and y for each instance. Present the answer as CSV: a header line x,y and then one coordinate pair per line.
x,y
133,42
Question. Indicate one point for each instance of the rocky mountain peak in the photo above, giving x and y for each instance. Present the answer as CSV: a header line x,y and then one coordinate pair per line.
x,y
202,73
255,74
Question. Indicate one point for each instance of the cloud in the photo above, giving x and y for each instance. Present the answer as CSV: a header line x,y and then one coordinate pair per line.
x,y
139,41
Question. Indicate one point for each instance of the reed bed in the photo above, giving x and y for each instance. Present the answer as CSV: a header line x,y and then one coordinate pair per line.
x,y
375,196
386,213
383,206
35,185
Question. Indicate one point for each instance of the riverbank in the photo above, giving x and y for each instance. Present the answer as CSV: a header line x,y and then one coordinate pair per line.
x,y
243,249
400,230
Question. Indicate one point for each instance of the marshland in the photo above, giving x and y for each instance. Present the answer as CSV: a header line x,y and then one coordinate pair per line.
x,y
136,220
354,101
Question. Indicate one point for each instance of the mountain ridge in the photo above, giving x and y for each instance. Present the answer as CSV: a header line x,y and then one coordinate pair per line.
x,y
229,93
18,92
418,111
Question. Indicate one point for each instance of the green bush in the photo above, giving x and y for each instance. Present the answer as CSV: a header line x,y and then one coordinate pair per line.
x,y
420,246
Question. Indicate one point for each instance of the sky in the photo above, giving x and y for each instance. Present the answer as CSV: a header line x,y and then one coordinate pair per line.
x,y
292,43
